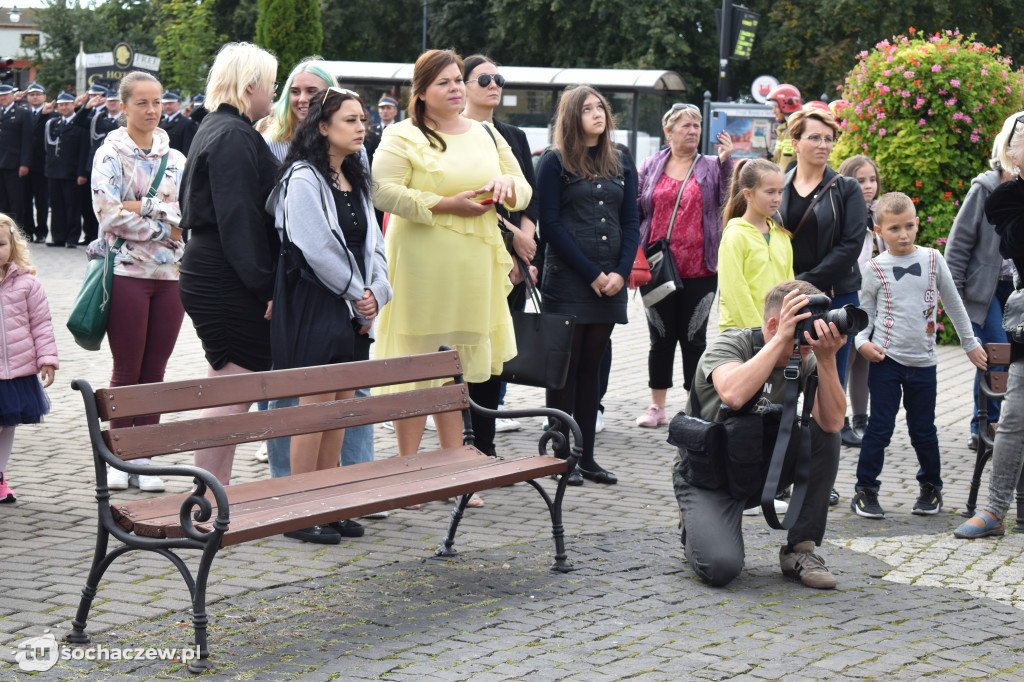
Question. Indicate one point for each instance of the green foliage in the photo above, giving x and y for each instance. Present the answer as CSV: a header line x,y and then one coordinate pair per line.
x,y
68,24
291,29
186,44
926,109
813,43
234,19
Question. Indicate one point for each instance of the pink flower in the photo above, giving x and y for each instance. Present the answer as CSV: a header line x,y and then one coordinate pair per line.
x,y
955,83
887,72
929,220
881,132
908,74
950,102
921,122
984,72
974,138
936,68
880,116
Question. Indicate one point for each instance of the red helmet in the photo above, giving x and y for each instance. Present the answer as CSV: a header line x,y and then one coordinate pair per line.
x,y
788,98
838,105
817,104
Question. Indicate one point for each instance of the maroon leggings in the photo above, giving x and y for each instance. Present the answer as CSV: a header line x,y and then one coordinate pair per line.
x,y
145,317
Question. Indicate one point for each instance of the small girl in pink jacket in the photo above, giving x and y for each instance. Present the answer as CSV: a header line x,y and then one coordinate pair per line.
x,y
27,344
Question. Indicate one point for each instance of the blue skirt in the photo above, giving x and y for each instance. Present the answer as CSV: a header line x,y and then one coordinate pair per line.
x,y
22,401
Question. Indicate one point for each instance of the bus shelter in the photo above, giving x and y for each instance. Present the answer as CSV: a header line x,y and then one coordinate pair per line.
x,y
638,97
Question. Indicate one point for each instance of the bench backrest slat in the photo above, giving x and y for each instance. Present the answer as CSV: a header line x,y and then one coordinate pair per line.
x,y
998,354
197,394
187,435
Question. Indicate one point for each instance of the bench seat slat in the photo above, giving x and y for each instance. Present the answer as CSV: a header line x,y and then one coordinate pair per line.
x,y
158,511
184,436
258,520
196,394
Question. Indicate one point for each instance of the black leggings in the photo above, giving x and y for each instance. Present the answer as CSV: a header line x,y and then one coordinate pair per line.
x,y
580,395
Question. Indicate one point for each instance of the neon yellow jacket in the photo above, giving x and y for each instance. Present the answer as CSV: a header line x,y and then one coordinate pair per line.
x,y
748,267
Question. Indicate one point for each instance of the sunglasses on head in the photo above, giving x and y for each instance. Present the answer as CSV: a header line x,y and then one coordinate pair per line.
x,y
484,80
679,106
339,91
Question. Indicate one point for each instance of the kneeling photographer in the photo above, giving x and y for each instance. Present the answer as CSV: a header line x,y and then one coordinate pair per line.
x,y
738,402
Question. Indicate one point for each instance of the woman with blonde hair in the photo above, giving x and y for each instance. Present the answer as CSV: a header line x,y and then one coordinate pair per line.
x,y
227,274
680,186
589,220
135,179
447,262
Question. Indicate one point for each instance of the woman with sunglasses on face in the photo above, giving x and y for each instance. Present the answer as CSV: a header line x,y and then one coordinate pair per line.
x,y
826,214
588,216
695,211
227,273
447,262
483,94
321,206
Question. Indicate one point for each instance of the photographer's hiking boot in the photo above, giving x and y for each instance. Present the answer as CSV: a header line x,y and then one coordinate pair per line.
x,y
865,503
801,563
928,502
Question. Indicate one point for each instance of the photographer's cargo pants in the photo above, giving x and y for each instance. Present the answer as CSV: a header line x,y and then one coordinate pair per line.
x,y
712,520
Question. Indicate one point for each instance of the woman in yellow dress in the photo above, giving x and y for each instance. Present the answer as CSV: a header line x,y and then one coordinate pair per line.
x,y
447,262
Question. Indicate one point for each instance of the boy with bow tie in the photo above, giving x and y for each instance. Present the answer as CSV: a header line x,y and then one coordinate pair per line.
x,y
900,293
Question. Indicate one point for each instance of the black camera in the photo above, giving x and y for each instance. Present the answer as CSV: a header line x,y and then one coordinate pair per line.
x,y
848,320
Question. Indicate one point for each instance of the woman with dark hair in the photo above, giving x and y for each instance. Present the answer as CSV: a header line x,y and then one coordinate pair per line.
x,y
321,206
483,94
447,262
588,215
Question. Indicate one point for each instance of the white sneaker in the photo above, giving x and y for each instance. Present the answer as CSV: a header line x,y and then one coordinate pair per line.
x,y
599,424
377,515
388,425
503,425
117,479
430,426
261,454
781,507
149,484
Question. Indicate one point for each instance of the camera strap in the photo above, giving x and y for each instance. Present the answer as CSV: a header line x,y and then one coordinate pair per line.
x,y
803,436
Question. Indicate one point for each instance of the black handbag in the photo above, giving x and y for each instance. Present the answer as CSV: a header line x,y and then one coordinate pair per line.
x,y
665,279
309,324
543,343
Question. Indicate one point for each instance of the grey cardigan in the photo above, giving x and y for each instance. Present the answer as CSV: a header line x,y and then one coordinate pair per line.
x,y
311,220
972,249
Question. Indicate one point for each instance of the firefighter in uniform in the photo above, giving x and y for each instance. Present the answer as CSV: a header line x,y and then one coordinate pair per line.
x,y
36,200
785,100
15,153
67,148
98,121
180,128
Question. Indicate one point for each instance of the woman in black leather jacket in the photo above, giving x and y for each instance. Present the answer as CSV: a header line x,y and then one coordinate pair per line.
x,y
827,242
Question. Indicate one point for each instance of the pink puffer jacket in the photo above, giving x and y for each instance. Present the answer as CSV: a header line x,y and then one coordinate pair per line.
x,y
25,327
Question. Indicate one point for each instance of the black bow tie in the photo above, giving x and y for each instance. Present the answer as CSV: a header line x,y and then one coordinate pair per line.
x,y
898,272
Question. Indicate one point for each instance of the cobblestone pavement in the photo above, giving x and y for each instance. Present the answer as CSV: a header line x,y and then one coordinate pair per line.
x,y
912,601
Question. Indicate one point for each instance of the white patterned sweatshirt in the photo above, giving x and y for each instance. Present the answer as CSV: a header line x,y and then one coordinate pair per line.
x,y
901,296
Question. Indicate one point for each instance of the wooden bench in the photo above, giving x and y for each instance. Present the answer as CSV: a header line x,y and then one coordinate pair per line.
x,y
991,386
214,516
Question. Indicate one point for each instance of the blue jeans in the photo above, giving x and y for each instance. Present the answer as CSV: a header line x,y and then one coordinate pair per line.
x,y
358,445
991,332
843,354
888,380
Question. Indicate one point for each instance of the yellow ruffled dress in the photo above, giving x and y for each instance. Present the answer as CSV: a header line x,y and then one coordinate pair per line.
x,y
449,274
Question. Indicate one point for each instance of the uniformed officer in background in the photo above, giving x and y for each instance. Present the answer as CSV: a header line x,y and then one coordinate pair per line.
x,y
180,128
199,110
98,120
15,152
67,148
36,206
